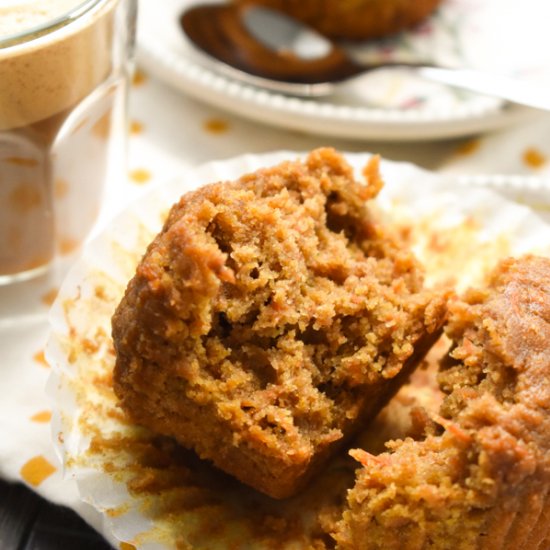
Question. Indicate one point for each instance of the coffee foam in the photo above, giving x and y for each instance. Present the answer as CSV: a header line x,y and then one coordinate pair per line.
x,y
18,16
48,74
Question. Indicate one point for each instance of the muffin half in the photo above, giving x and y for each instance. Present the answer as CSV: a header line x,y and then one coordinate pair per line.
x,y
481,478
270,319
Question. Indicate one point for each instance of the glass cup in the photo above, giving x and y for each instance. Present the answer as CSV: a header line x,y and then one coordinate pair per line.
x,y
64,73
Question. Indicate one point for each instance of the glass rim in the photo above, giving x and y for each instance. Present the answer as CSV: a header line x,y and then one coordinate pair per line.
x,y
49,26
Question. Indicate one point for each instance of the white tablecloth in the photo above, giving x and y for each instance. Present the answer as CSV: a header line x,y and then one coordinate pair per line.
x,y
170,132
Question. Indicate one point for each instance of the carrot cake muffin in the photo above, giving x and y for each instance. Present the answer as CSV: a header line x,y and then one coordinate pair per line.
x,y
270,319
481,478
354,19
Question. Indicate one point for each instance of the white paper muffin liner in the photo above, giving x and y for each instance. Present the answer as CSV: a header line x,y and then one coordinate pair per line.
x,y
122,470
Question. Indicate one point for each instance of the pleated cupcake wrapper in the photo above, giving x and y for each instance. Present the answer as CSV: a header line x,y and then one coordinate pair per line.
x,y
459,231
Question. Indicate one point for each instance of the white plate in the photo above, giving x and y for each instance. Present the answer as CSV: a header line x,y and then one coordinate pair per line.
x,y
387,105
486,224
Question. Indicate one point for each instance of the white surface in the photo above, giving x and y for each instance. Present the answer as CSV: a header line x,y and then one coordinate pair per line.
x,y
373,107
173,139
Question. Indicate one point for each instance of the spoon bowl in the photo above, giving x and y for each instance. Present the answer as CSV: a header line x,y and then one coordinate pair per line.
x,y
265,48
268,49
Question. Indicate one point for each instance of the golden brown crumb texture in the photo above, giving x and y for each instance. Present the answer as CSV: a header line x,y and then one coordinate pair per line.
x,y
481,477
270,319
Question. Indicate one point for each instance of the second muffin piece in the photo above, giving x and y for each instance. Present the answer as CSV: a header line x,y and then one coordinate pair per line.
x,y
481,480
271,318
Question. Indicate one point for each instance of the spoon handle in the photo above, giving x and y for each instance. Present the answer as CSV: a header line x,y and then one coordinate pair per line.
x,y
505,87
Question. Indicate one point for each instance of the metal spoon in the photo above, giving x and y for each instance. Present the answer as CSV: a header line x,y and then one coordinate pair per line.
x,y
268,49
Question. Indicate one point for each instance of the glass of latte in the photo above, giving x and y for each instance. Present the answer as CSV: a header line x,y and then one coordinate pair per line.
x,y
64,69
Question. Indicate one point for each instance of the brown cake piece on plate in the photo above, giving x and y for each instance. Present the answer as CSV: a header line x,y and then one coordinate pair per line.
x,y
270,319
354,19
482,480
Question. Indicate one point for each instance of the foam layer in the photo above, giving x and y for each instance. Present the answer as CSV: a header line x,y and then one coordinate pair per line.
x,y
44,76
17,16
